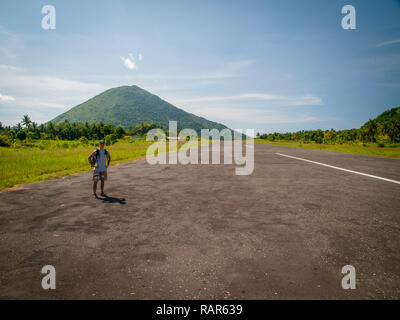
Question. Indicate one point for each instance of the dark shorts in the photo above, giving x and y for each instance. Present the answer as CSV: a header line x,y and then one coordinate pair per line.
x,y
99,175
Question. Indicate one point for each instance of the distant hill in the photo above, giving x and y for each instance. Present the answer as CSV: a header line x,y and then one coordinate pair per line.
x,y
391,114
129,106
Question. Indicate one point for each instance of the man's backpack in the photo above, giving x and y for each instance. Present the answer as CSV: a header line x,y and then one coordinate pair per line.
x,y
93,159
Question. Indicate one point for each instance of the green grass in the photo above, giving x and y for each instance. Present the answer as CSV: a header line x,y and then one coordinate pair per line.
x,y
390,152
43,160
53,159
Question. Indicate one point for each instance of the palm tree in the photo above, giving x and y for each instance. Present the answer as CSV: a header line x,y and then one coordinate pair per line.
x,y
392,129
370,129
51,130
26,121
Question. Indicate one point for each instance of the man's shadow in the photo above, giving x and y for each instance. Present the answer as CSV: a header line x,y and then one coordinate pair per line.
x,y
112,200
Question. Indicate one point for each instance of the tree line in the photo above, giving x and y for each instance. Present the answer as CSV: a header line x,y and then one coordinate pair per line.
x,y
27,129
371,131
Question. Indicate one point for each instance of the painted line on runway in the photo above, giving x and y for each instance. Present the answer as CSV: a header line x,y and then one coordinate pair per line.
x,y
337,168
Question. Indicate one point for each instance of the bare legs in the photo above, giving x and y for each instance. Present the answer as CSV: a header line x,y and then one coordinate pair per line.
x,y
95,188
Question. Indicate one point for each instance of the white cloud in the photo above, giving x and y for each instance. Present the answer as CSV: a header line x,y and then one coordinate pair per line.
x,y
37,104
178,77
239,64
129,63
387,43
307,99
251,116
304,100
259,96
251,109
11,43
6,98
44,92
10,122
10,68
47,83
43,97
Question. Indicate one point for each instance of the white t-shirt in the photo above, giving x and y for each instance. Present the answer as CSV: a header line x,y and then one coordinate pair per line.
x,y
101,160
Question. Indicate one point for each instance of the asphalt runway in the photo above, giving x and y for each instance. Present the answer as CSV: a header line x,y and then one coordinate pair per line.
x,y
201,232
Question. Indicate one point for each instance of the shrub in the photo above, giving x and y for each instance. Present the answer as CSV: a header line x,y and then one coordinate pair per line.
x,y
44,136
30,136
4,141
17,144
74,145
108,140
21,135
119,131
12,134
83,141
41,146
63,145
114,138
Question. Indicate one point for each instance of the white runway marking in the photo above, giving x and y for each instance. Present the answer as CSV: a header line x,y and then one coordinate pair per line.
x,y
337,168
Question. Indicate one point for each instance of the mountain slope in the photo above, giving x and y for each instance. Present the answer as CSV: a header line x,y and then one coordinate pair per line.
x,y
129,106
391,114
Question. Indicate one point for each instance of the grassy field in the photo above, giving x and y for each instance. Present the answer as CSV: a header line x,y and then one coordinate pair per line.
x,y
43,160
390,152
53,159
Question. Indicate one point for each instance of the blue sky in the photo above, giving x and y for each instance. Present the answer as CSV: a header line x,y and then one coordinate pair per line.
x,y
267,65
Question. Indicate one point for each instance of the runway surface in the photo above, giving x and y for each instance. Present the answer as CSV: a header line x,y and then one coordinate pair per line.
x,y
202,232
